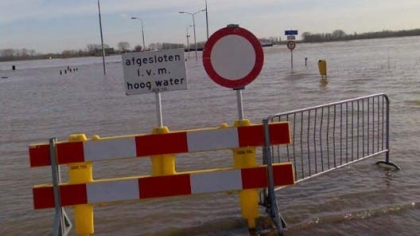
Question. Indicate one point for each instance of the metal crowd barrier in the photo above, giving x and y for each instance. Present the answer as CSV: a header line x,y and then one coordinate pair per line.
x,y
330,136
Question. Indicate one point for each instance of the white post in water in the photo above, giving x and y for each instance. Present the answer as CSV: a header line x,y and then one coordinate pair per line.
x,y
159,109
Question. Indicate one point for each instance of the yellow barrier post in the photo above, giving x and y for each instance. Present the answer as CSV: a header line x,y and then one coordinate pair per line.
x,y
162,164
322,66
81,173
245,158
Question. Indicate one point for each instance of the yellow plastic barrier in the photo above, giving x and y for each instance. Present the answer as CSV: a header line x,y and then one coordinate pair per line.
x,y
162,164
81,173
245,158
161,147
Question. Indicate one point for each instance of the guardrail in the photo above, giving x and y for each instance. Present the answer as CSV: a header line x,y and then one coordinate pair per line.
x,y
327,137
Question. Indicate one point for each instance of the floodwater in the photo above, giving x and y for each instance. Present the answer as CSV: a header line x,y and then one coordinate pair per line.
x,y
38,103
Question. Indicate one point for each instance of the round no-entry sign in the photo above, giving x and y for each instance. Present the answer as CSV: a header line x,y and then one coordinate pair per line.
x,y
233,57
291,45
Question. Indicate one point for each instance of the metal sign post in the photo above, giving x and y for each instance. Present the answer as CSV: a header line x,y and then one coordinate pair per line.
x,y
291,45
159,109
291,59
240,103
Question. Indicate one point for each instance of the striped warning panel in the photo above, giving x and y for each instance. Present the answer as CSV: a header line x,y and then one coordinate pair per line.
x,y
163,186
159,144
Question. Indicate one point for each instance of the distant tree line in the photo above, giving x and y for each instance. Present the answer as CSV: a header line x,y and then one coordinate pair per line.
x,y
29,54
14,54
124,47
90,50
165,46
96,50
340,35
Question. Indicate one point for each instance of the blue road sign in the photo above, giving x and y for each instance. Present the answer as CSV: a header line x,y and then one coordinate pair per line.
x,y
290,32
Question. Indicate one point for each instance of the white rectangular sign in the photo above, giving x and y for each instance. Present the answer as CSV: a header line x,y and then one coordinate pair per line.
x,y
154,71
291,37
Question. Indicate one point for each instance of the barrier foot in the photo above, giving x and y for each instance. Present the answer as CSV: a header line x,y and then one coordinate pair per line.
x,y
66,223
62,224
388,165
270,200
272,210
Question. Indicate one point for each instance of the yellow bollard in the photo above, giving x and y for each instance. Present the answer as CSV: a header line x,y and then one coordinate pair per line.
x,y
81,173
162,164
245,158
322,66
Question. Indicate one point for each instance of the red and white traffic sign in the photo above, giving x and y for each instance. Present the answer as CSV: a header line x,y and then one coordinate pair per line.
x,y
233,57
291,45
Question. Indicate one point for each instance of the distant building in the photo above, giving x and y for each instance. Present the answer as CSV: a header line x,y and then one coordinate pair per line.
x,y
108,51
266,43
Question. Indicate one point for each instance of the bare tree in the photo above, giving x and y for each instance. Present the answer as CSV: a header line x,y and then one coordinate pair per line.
x,y
123,46
152,46
338,34
138,48
9,53
93,49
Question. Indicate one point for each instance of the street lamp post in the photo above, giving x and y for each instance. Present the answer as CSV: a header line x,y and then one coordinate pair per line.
x,y
142,31
195,38
207,20
188,42
102,37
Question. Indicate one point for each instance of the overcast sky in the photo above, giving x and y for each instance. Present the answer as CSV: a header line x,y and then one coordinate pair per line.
x,y
57,25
